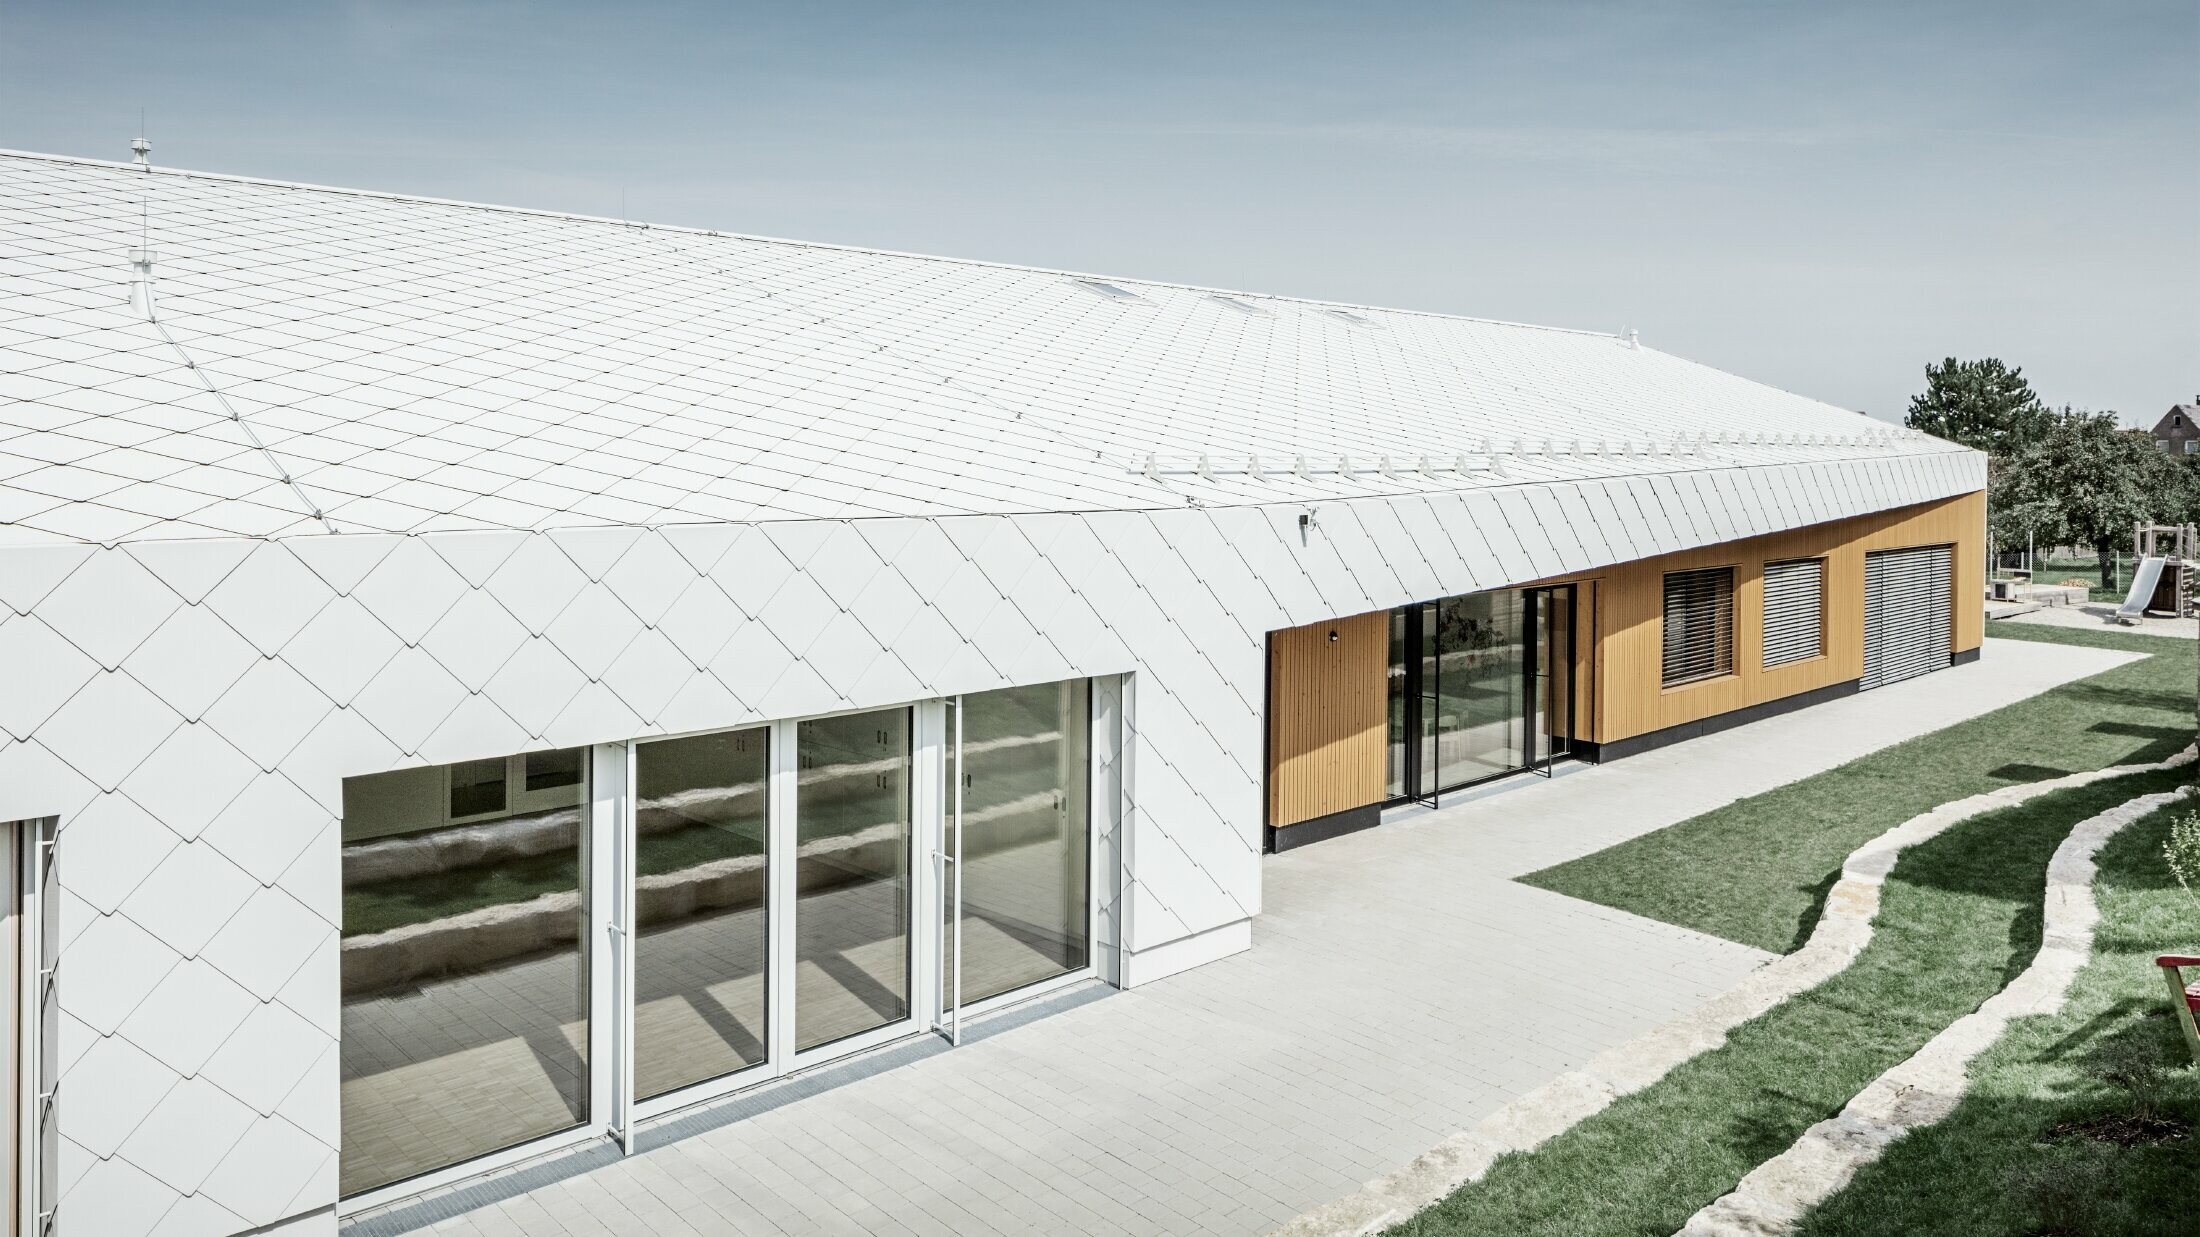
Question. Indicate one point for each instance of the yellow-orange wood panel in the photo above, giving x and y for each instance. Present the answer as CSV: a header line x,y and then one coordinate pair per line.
x,y
1327,717
1630,602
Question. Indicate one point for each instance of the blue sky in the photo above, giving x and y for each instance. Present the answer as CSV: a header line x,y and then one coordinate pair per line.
x,y
1823,197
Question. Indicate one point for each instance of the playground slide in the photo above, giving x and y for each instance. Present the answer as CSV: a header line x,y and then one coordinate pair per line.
x,y
2142,590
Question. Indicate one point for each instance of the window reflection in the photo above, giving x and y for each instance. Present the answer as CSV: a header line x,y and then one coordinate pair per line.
x,y
700,882
464,976
1025,836
852,890
1481,647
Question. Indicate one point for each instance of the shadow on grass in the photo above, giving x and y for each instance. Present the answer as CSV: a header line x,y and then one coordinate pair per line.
x,y
2166,734
1813,912
2118,696
2021,772
1999,1167
1991,1172
1769,1126
2085,1041
2075,1043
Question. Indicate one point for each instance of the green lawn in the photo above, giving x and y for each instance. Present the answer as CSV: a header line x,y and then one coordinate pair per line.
x,y
1960,916
1991,1168
2087,568
1756,870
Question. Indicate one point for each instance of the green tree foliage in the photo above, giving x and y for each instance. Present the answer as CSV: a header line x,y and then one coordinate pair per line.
x,y
2181,489
1982,404
2082,481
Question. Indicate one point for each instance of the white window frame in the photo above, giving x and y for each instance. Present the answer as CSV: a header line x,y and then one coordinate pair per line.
x,y
608,849
37,976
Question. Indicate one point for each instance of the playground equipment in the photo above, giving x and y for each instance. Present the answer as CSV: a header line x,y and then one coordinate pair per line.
x,y
2144,580
2164,581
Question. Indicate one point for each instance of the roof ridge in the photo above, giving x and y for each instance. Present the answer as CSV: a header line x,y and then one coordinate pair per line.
x,y
574,216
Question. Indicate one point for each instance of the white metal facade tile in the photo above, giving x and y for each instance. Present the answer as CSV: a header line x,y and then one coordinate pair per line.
x,y
111,1089
189,897
193,1010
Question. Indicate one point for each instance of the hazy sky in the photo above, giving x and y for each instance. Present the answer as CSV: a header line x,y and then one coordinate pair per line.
x,y
1820,196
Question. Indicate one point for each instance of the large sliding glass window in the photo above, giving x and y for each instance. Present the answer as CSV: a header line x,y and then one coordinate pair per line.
x,y
756,900
852,887
464,968
702,805
1026,837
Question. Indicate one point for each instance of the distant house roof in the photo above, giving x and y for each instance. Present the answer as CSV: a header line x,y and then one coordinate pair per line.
x,y
2177,421
324,359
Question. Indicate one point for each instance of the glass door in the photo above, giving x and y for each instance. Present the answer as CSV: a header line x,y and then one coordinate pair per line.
x,y
701,855
853,897
948,866
1480,685
1551,675
1016,863
1428,701
1398,692
1022,839
1480,645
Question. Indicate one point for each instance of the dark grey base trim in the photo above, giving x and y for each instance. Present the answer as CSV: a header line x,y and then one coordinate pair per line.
x,y
1322,828
1965,657
1635,745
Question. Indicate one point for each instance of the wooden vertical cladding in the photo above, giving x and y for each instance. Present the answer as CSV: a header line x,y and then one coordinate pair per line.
x,y
1630,698
1328,699
1327,717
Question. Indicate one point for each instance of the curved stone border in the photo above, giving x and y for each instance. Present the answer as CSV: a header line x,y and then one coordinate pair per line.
x,y
1926,1088
1530,1120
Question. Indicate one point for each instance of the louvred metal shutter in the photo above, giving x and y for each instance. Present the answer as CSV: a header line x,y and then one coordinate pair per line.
x,y
1795,610
1908,596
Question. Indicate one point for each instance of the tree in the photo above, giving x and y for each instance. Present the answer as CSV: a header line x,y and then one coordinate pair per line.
x,y
2020,513
1982,404
2181,490
2086,481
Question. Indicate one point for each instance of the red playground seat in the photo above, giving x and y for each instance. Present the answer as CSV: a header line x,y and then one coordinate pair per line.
x,y
2184,997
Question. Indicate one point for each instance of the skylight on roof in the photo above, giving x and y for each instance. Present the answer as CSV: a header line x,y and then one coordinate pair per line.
x,y
1101,287
1243,307
1349,316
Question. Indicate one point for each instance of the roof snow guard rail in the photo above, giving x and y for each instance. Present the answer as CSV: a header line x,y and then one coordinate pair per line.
x,y
1487,457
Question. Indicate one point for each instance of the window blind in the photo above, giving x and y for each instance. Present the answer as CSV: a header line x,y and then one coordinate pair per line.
x,y
1699,624
1795,604
1908,612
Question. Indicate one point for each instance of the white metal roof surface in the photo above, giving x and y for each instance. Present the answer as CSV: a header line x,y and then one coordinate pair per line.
x,y
330,360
